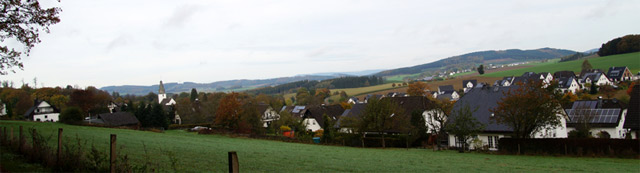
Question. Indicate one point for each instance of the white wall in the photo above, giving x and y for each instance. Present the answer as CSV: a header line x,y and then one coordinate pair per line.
x,y
484,138
556,132
47,117
312,124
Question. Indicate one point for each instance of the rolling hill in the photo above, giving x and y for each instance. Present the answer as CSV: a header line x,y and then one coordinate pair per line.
x,y
631,60
230,85
470,60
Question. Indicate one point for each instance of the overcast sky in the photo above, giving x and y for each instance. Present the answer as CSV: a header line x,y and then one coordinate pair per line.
x,y
109,42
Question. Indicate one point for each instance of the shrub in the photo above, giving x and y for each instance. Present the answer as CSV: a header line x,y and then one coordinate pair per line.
x,y
71,115
318,133
285,128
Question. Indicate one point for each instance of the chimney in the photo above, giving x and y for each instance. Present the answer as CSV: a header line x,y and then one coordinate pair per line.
x,y
599,102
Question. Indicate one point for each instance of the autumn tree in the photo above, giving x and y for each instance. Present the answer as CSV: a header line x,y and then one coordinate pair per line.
x,y
17,102
71,115
382,116
529,108
463,125
303,96
418,89
250,120
607,90
229,110
481,69
436,122
22,21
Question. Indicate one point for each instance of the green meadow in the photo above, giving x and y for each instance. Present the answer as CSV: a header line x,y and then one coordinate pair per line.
x,y
208,153
631,60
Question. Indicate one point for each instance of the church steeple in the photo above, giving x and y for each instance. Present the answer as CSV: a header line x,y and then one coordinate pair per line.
x,y
161,90
161,93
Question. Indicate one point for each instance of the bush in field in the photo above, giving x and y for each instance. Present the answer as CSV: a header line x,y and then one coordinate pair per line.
x,y
71,115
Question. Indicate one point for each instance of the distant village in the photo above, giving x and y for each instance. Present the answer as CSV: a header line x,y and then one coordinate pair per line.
x,y
609,117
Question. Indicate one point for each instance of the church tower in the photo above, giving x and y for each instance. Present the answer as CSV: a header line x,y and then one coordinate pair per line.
x,y
161,93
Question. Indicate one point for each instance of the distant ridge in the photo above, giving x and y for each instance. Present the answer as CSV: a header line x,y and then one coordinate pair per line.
x,y
221,86
470,60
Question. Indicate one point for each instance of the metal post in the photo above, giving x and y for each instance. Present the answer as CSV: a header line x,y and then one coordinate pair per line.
x,y
233,162
112,164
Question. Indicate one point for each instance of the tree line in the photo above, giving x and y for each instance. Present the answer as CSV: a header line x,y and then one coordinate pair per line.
x,y
620,45
341,82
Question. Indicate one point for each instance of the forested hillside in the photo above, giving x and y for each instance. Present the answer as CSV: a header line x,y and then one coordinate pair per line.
x,y
470,60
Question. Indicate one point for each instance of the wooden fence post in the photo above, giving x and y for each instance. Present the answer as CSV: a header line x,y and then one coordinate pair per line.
x,y
21,140
4,136
11,137
518,148
234,166
34,141
112,163
565,149
59,154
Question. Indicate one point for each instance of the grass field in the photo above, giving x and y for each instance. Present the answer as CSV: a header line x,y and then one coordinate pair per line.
x,y
631,60
208,153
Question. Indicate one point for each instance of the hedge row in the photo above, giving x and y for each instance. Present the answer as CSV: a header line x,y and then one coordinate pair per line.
x,y
590,147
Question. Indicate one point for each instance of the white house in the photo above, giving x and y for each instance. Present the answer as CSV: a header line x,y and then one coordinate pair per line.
x,y
268,114
568,84
468,85
485,98
313,117
42,111
602,115
598,77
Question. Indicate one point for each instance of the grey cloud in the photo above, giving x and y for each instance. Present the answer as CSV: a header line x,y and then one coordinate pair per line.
x,y
122,40
181,15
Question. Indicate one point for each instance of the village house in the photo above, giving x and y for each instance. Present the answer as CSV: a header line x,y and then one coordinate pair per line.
x,y
355,111
313,117
506,81
446,92
632,123
568,84
353,100
618,74
295,111
468,85
598,78
482,100
566,74
117,119
268,114
606,116
42,111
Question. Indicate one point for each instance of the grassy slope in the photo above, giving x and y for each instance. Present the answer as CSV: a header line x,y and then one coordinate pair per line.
x,y
631,60
199,153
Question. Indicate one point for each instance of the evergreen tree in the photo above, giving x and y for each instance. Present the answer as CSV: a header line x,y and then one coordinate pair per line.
x,y
586,65
194,94
481,69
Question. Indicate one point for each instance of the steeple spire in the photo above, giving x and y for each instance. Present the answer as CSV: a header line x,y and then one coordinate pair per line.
x,y
161,90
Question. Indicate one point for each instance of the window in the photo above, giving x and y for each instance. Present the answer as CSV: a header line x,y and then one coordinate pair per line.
x,y
490,141
496,138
